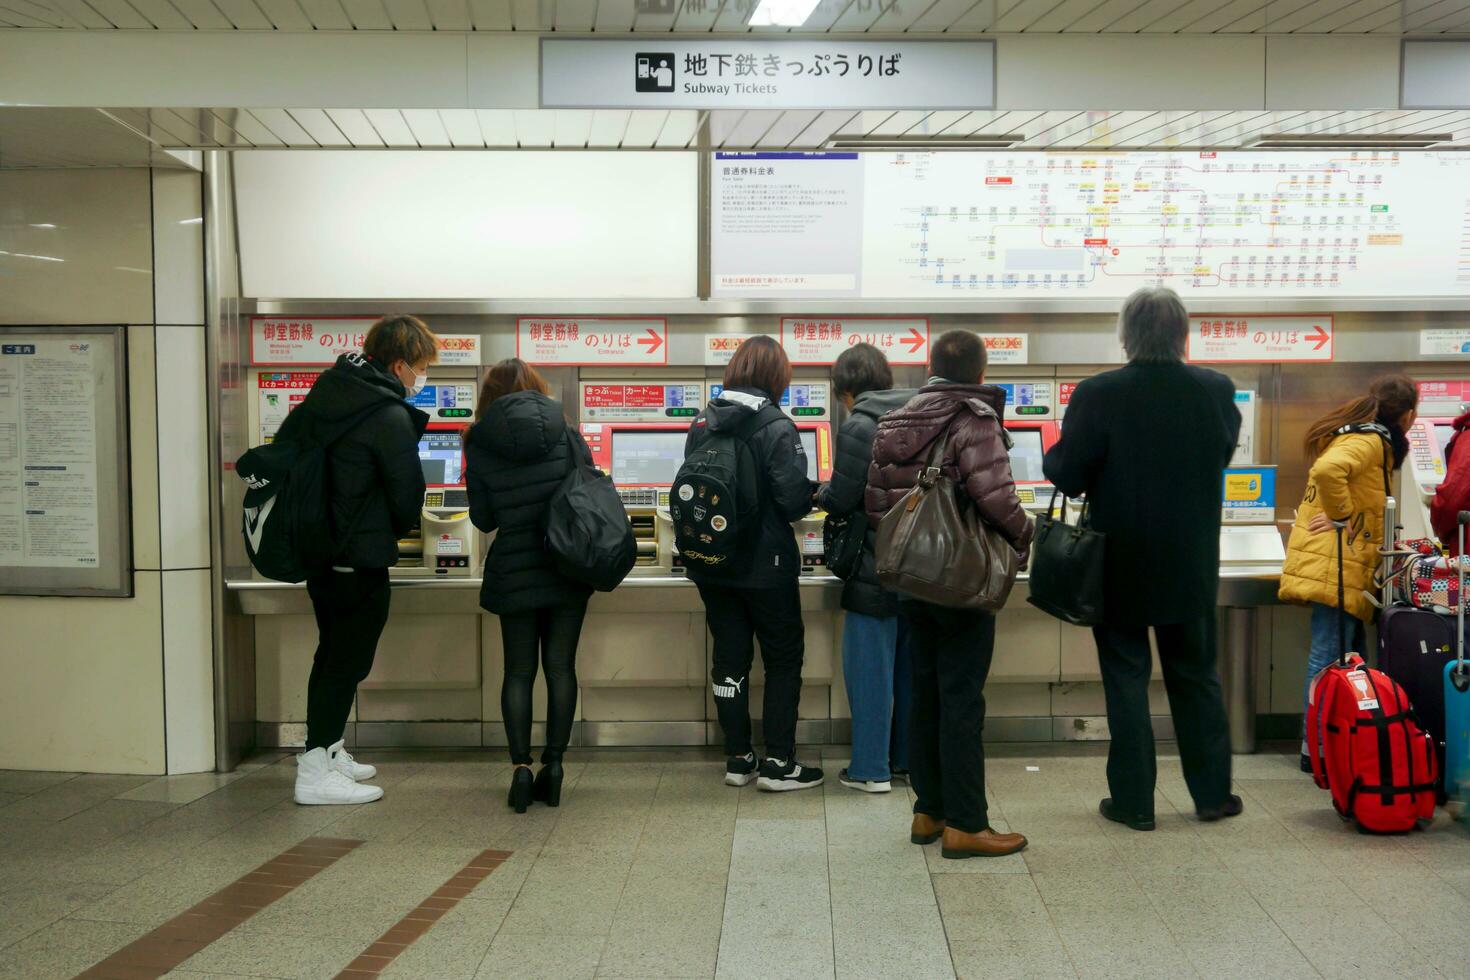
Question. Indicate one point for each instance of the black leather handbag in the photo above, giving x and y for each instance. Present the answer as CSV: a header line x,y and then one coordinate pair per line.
x,y
842,543
1067,566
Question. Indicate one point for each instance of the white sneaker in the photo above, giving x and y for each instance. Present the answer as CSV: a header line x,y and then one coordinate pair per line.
x,y
864,785
344,763
320,783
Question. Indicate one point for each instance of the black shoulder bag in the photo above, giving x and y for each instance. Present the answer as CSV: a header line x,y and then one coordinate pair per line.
x,y
1067,566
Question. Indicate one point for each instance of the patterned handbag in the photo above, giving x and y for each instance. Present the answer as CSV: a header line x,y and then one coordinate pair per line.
x,y
1430,582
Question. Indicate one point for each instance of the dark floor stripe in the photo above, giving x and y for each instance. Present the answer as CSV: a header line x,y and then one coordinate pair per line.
x,y
187,933
391,944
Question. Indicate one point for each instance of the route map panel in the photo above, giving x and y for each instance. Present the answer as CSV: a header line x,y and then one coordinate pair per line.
x,y
1039,225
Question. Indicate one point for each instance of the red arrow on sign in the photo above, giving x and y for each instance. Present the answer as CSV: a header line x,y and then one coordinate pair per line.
x,y
653,341
1321,338
915,340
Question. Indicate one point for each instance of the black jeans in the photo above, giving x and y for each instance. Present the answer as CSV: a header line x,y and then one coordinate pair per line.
x,y
351,610
1187,654
554,633
950,650
736,618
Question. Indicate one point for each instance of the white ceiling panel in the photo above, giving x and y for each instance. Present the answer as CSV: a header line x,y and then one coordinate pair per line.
x,y
121,14
615,16
644,126
367,15
608,127
246,15
83,13
899,123
571,127
863,15
753,127
532,15
722,123
490,15
354,124
1017,15
655,15
697,15
391,126
68,138
901,15
1178,16
939,15
286,129
535,127
1062,15
28,14
462,127
788,127
822,128
285,15
203,14
829,12
1043,130
450,15
497,126
428,129
161,14
249,128
408,15
1101,16
1237,17
319,127
325,15
575,15
680,128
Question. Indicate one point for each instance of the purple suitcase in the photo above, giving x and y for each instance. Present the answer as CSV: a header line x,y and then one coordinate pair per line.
x,y
1413,647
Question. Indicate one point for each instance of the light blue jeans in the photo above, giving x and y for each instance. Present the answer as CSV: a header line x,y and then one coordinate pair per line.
x,y
1326,646
875,664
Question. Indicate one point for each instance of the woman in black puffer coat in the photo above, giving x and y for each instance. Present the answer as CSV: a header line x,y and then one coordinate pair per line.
x,y
875,659
519,450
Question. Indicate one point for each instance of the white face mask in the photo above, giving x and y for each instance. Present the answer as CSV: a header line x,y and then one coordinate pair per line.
x,y
419,381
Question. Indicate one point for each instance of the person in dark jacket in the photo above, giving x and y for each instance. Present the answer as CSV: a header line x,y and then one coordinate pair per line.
x,y
758,598
377,491
1148,444
875,643
951,648
520,449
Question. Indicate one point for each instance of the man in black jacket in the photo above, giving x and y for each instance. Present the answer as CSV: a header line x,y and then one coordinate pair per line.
x,y
1148,445
377,491
759,598
875,663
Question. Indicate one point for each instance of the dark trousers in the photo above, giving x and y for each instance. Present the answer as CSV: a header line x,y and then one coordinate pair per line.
x,y
1187,653
351,610
951,651
736,618
552,632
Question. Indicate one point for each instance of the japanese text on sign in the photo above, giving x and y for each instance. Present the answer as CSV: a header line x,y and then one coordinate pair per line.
x,y
1224,339
305,340
1010,348
458,349
819,340
591,340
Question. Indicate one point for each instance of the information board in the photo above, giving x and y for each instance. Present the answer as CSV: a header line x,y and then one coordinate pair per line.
x,y
64,509
1089,226
618,401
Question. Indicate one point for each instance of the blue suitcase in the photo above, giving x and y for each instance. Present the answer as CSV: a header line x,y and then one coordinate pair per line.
x,y
1457,703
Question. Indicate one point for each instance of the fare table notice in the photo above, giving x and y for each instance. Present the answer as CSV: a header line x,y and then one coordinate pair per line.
x,y
48,455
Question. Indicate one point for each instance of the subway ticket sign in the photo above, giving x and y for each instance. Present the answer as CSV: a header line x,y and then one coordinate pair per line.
x,y
592,341
641,402
311,340
820,340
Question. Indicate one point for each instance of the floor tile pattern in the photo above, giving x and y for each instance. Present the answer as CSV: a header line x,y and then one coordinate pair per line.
x,y
652,868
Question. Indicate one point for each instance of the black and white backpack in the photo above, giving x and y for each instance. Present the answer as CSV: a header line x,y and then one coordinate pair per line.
x,y
715,500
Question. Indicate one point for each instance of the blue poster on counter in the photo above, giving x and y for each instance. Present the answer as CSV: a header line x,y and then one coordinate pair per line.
x,y
1248,495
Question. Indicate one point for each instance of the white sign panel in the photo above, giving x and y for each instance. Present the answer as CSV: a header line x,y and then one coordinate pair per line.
x,y
1007,348
1245,446
48,455
766,73
819,340
458,349
720,347
278,394
592,341
1268,339
315,340
1444,341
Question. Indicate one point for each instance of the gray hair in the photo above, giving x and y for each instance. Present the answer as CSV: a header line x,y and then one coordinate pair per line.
x,y
1154,326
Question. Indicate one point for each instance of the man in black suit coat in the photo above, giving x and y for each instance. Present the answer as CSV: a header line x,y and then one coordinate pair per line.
x,y
1148,444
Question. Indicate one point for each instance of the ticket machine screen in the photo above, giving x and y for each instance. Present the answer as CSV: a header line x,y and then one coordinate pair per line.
x,y
441,455
809,446
1026,456
647,458
1443,433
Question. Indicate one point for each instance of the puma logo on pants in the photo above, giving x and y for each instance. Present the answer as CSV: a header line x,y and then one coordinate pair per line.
x,y
729,689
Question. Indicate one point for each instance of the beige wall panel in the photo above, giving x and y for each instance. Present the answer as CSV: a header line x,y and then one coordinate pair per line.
x,y
1027,644
644,649
78,243
1017,700
648,704
1322,72
284,646
1079,654
1291,642
178,247
143,446
428,652
1088,698
81,687
188,676
362,69
407,705
183,447
1133,71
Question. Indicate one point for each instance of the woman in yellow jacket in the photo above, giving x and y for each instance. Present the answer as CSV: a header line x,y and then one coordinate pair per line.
x,y
1355,449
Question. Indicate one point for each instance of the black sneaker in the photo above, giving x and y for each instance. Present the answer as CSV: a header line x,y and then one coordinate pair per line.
x,y
740,769
781,776
901,776
864,785
1232,807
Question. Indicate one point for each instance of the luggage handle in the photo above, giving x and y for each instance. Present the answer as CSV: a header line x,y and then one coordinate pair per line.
x,y
1461,672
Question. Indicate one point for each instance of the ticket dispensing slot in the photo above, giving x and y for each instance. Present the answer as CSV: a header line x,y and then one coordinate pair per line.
x,y
446,543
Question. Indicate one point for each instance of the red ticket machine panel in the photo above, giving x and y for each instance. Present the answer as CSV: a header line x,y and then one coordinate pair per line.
x,y
441,455
1029,444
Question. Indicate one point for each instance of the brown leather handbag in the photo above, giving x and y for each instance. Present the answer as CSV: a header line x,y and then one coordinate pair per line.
x,y
935,546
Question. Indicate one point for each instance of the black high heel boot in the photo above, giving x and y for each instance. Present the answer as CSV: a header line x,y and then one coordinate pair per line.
x,y
520,789
547,788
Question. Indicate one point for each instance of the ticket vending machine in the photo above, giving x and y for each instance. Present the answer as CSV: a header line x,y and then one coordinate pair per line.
x,y
808,403
1031,421
635,430
1424,472
445,544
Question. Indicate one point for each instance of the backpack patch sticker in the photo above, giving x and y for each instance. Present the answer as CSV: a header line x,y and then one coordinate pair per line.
x,y
686,493
718,522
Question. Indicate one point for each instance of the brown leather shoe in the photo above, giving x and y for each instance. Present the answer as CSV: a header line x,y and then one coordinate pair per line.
x,y
987,843
925,829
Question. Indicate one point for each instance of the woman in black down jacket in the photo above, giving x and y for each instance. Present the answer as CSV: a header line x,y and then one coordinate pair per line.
x,y
875,660
520,448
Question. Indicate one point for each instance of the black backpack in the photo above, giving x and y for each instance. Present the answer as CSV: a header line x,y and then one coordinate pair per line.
x,y
287,522
715,501
587,529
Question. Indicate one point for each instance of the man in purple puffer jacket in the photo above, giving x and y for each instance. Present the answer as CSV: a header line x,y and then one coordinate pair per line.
x,y
952,648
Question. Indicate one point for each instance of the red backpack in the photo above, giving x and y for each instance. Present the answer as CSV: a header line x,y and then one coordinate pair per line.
x,y
1366,746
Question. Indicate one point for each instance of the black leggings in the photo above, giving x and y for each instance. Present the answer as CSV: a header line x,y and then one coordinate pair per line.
x,y
351,610
555,632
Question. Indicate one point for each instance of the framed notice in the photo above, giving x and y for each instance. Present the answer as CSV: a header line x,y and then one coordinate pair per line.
x,y
64,508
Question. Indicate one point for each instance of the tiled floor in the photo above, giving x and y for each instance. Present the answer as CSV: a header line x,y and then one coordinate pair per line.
x,y
653,868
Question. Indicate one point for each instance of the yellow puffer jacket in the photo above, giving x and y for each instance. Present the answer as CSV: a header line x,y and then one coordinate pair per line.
x,y
1349,482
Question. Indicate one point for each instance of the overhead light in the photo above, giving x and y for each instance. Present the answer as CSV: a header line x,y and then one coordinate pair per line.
x,y
43,225
1348,141
980,141
782,13
28,255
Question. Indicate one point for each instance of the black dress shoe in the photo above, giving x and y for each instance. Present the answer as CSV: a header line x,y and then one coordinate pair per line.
x,y
519,797
1232,807
547,788
1132,820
